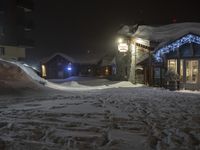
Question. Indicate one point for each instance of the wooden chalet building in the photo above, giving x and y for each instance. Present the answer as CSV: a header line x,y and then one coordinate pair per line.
x,y
58,66
107,66
155,50
61,66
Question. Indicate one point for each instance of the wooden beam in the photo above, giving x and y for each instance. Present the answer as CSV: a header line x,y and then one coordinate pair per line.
x,y
192,49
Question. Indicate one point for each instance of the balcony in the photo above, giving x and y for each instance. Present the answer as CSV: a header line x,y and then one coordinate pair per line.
x,y
27,5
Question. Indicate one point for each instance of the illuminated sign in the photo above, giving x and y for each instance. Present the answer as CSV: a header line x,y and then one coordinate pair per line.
x,y
123,47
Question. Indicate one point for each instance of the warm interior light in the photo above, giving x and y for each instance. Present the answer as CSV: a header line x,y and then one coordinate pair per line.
x,y
44,73
106,71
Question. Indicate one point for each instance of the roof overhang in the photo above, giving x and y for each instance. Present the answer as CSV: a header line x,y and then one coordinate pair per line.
x,y
189,38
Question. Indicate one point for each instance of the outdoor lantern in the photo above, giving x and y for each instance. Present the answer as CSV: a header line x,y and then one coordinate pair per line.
x,y
69,67
120,40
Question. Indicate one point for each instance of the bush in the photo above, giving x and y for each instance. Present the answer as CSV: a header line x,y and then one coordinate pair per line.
x,y
172,79
171,76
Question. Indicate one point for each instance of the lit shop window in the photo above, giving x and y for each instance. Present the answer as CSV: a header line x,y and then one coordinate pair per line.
x,y
44,73
191,71
181,70
172,65
107,71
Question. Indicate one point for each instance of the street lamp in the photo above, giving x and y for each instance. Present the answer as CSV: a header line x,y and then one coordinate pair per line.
x,y
120,40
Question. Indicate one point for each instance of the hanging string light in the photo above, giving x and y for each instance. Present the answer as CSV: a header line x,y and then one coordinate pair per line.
x,y
189,38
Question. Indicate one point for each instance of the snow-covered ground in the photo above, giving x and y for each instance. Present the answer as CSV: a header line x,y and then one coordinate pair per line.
x,y
121,117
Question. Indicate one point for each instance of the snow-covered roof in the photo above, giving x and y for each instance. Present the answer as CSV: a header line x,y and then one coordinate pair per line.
x,y
162,34
189,38
58,54
81,59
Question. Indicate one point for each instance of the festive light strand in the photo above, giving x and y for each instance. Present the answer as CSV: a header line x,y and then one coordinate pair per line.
x,y
189,38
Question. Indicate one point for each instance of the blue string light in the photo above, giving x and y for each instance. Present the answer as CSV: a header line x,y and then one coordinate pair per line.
x,y
189,38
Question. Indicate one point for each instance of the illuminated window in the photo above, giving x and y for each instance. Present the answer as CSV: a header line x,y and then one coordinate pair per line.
x,y
191,71
107,71
181,70
172,65
44,73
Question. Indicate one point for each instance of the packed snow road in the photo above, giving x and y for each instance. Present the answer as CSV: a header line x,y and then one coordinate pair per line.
x,y
119,118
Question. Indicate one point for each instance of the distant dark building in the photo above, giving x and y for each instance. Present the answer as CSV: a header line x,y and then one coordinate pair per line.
x,y
107,66
87,69
15,26
58,66
61,66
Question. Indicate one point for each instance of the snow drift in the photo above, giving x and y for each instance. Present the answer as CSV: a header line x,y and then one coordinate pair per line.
x,y
15,76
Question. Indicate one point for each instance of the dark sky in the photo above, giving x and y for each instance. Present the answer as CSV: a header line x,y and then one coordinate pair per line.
x,y
74,27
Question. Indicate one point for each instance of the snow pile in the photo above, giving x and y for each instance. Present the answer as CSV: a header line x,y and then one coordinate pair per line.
x,y
15,77
32,74
125,84
75,86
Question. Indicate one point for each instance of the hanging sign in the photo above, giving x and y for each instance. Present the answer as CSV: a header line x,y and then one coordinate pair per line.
x,y
123,47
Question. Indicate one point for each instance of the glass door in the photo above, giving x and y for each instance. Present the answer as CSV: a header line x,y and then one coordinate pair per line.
x,y
191,71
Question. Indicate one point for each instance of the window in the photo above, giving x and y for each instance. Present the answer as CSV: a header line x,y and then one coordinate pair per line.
x,y
181,70
191,71
172,65
2,51
44,73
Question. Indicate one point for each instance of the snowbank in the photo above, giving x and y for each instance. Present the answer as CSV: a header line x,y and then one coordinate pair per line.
x,y
15,75
75,86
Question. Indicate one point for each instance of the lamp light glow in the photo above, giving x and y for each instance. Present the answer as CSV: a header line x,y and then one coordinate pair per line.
x,y
120,40
69,68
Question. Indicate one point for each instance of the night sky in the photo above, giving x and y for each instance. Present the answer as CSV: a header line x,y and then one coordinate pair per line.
x,y
74,27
